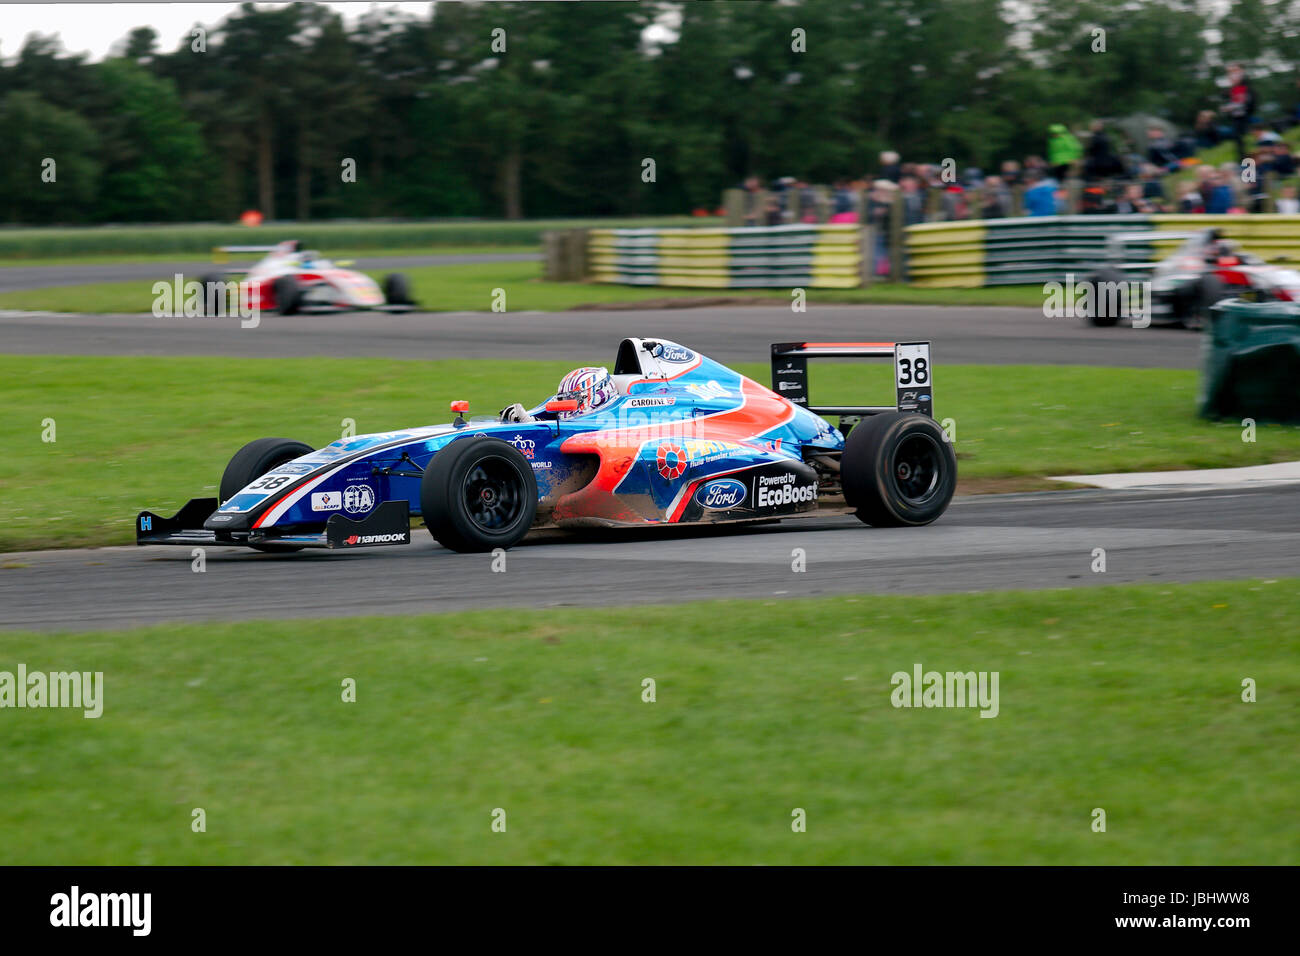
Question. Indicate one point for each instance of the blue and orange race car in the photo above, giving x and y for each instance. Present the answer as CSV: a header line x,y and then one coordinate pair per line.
x,y
670,437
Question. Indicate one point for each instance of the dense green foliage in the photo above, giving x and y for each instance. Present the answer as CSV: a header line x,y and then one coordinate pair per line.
x,y
559,122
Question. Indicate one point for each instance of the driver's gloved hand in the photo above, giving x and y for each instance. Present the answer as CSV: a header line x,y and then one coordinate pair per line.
x,y
516,414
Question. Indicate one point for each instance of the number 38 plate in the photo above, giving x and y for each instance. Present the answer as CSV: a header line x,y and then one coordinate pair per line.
x,y
913,377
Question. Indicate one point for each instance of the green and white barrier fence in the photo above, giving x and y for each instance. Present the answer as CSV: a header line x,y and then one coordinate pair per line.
x,y
974,253
816,256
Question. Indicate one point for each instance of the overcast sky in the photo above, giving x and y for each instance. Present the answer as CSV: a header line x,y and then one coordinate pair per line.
x,y
94,27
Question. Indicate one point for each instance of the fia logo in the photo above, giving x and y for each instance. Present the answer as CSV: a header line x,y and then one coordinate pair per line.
x,y
358,498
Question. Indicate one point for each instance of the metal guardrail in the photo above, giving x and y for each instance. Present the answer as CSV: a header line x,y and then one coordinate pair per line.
x,y
811,255
1030,251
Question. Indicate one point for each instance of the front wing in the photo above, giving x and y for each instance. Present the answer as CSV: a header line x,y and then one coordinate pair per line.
x,y
389,523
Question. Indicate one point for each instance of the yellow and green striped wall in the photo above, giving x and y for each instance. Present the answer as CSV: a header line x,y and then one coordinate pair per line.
x,y
1029,251
816,256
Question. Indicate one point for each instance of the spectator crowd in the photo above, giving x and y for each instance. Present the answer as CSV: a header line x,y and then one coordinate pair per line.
x,y
1100,170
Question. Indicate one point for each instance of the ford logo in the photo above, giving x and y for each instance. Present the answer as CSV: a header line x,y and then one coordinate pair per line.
x,y
721,495
673,353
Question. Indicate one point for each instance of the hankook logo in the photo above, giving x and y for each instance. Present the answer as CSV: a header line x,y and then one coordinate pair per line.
x,y
375,538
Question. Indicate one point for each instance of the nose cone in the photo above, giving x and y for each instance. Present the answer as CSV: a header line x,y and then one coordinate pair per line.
x,y
227,521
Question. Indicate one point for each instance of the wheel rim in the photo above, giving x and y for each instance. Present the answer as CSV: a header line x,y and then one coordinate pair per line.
x,y
916,468
493,494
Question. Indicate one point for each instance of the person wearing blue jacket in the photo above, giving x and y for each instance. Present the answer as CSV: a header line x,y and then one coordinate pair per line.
x,y
1220,200
1040,197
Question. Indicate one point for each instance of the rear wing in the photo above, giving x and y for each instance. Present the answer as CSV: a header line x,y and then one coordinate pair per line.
x,y
222,253
1149,235
913,374
1117,245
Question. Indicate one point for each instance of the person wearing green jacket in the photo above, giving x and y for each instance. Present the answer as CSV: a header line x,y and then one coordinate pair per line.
x,y
1063,150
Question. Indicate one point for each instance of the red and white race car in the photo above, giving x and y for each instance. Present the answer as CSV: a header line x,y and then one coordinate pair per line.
x,y
290,279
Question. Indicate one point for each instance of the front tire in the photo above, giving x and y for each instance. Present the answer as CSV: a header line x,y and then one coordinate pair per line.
x,y
397,290
898,469
478,494
288,296
251,462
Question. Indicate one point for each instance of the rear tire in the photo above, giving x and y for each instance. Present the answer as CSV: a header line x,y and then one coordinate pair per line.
x,y
478,494
1209,290
254,460
1099,315
397,290
214,300
897,469
288,296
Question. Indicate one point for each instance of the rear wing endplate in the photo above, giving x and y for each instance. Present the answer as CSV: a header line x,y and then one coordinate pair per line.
x,y
913,374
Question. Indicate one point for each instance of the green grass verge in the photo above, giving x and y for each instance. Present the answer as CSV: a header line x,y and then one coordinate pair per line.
x,y
199,238
470,288
899,293
137,433
1127,699
335,254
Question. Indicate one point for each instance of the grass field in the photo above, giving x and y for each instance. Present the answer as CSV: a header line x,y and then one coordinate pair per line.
x,y
470,288
239,260
135,433
1127,699
191,239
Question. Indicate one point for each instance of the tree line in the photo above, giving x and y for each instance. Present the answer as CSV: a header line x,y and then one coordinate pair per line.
x,y
548,109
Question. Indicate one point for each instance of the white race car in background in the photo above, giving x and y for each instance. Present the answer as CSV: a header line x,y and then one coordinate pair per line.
x,y
1205,268
289,279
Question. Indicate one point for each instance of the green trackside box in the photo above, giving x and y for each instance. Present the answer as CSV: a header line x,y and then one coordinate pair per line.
x,y
1252,361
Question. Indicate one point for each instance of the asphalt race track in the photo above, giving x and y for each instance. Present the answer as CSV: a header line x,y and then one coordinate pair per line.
x,y
982,543
16,278
959,334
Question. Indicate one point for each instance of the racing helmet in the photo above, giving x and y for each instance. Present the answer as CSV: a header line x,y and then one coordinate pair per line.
x,y
591,386
1223,252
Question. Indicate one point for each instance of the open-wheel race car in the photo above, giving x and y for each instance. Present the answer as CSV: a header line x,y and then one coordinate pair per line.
x,y
1205,269
670,437
291,279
